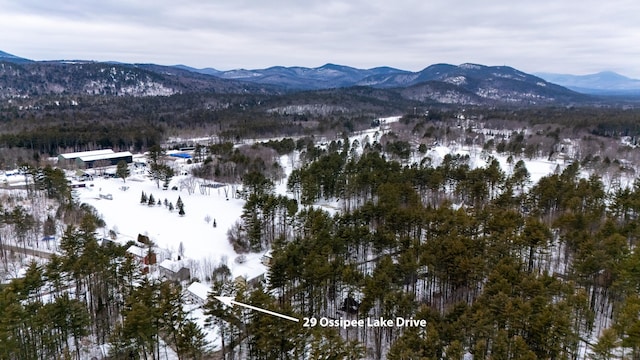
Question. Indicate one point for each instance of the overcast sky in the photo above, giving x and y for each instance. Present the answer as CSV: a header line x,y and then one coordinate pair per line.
x,y
564,36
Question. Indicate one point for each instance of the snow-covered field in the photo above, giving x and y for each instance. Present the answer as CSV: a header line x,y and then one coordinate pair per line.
x,y
126,216
201,241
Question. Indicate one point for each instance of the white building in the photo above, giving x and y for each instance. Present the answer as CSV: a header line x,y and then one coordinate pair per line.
x,y
71,157
197,293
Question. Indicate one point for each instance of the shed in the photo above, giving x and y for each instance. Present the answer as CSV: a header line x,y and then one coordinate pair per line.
x,y
244,282
240,282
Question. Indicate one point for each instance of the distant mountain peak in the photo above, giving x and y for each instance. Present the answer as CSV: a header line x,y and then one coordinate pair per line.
x,y
609,75
332,66
5,56
206,71
602,83
472,66
609,72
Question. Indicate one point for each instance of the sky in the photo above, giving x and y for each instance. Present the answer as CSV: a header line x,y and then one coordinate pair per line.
x,y
560,36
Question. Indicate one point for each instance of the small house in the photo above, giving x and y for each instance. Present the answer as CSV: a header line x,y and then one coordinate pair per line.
x,y
266,258
256,280
144,239
105,241
145,256
174,270
243,282
240,282
197,293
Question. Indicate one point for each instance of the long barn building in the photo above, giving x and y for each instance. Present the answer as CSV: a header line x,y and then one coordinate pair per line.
x,y
95,158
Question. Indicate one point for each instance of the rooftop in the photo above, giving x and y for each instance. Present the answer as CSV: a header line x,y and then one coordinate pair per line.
x,y
172,265
107,156
198,289
74,155
137,251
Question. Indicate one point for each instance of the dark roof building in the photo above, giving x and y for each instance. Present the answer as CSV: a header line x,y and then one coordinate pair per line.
x,y
90,161
71,157
174,270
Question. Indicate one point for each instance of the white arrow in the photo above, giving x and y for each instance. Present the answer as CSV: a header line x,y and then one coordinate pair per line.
x,y
228,301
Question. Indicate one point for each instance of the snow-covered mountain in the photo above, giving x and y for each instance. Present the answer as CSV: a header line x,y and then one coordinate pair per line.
x,y
38,78
466,84
482,83
444,83
304,78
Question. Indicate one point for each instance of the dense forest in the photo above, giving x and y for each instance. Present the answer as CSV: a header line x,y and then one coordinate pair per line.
x,y
499,267
125,124
61,123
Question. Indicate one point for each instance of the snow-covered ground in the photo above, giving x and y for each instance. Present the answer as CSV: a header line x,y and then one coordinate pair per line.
x,y
538,168
125,215
200,239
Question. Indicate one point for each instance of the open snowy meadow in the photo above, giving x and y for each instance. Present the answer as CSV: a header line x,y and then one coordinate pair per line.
x,y
127,217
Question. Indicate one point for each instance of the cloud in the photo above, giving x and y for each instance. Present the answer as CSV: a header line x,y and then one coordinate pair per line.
x,y
561,36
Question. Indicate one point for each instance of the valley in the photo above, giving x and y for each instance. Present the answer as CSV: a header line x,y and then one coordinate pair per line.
x,y
464,216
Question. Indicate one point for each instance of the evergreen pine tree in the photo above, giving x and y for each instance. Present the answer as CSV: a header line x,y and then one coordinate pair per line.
x,y
143,198
152,201
122,170
191,340
166,174
49,227
180,206
170,206
606,344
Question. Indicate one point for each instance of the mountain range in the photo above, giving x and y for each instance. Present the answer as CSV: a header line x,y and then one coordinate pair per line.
x,y
467,84
602,83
